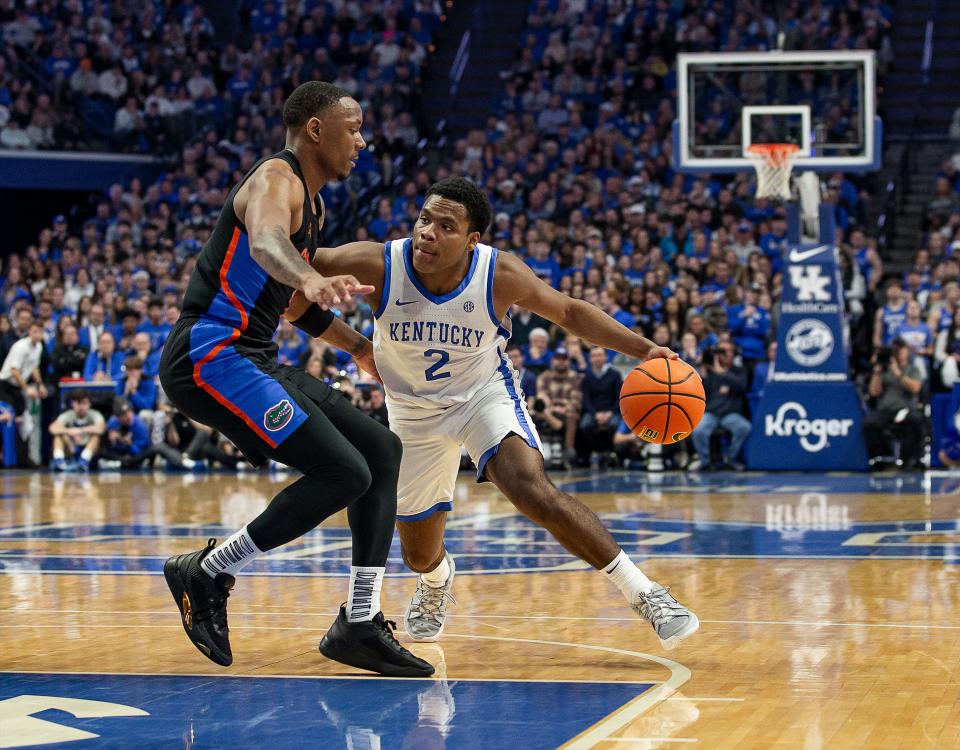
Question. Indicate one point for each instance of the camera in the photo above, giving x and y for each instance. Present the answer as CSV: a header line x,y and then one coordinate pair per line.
x,y
884,355
539,405
708,356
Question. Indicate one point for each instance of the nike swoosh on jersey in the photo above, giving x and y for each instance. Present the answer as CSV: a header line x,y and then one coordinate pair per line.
x,y
798,256
398,303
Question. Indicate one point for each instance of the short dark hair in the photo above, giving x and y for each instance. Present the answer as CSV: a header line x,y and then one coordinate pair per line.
x,y
461,190
80,395
309,100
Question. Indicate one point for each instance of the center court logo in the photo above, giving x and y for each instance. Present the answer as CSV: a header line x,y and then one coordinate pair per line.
x,y
278,416
819,429
809,342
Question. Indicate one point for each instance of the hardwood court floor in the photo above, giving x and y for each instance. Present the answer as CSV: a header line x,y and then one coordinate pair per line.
x,y
829,608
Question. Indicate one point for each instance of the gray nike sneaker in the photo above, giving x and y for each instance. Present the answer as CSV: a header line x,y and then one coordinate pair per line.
x,y
671,621
427,613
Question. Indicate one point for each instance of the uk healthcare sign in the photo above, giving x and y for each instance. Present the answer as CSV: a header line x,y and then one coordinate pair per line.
x,y
810,416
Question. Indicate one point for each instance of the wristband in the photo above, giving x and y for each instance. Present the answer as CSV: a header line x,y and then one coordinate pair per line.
x,y
314,321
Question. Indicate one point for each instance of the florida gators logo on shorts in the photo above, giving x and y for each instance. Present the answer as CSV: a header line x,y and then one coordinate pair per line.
x,y
278,416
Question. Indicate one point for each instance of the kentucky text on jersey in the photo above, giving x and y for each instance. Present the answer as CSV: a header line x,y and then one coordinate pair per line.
x,y
433,332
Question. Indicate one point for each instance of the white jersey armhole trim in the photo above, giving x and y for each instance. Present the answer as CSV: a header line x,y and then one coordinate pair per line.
x,y
385,292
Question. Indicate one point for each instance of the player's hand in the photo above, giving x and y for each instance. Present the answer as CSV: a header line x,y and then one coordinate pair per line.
x,y
366,363
297,307
332,290
660,352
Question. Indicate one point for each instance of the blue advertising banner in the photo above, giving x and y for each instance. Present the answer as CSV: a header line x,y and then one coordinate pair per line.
x,y
811,341
810,416
808,426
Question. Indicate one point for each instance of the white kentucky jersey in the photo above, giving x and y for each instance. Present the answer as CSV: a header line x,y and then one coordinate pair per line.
x,y
436,351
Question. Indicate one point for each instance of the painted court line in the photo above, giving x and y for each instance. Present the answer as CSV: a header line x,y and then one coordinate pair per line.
x,y
679,675
701,700
471,616
651,739
365,677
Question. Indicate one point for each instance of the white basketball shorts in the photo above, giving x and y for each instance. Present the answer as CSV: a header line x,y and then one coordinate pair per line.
x,y
431,444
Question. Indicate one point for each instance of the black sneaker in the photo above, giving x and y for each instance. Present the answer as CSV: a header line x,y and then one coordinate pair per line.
x,y
371,645
203,603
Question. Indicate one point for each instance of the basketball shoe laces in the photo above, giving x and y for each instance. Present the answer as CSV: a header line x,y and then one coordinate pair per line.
x,y
386,634
658,607
216,609
431,600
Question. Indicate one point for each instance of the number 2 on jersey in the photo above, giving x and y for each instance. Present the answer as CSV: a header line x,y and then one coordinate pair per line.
x,y
431,372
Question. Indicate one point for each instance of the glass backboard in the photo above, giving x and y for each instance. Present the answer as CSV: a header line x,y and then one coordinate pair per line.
x,y
823,102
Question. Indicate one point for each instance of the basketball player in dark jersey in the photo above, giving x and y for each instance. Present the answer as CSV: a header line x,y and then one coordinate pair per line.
x,y
219,367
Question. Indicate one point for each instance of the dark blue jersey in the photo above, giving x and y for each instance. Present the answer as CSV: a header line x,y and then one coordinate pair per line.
x,y
229,287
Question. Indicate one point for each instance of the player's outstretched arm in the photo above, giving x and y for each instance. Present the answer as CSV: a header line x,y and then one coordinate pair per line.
x,y
515,283
274,196
360,260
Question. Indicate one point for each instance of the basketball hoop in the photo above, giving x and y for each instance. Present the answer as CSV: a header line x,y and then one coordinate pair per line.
x,y
773,162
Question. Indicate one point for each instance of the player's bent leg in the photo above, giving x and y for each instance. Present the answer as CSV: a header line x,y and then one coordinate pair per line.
x,y
203,603
421,541
422,544
334,475
371,515
517,471
360,636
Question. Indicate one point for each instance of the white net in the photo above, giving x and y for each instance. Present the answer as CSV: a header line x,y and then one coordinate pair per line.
x,y
773,162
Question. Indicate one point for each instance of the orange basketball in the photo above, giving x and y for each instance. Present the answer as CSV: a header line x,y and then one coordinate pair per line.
x,y
662,401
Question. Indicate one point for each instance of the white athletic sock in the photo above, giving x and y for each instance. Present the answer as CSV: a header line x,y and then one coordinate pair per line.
x,y
57,454
236,552
627,577
363,599
439,575
87,455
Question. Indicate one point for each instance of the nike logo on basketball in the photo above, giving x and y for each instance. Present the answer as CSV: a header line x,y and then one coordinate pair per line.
x,y
798,256
398,303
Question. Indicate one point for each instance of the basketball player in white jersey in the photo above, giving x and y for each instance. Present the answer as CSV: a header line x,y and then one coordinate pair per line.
x,y
441,330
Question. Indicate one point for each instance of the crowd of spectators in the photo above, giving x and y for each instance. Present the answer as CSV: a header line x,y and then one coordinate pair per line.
x,y
576,157
145,76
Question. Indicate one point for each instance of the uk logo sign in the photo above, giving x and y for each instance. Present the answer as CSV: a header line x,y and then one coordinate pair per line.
x,y
811,284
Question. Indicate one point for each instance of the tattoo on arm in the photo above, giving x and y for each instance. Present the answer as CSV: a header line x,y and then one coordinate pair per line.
x,y
359,346
274,252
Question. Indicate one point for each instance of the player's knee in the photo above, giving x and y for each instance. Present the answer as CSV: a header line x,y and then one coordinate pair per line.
x,y
391,451
356,479
349,475
420,559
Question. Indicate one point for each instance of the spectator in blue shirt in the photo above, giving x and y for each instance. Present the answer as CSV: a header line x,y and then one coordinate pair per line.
x,y
774,242
290,343
537,354
128,441
607,302
147,354
126,330
137,386
105,362
528,379
543,264
763,372
155,326
750,326
384,223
